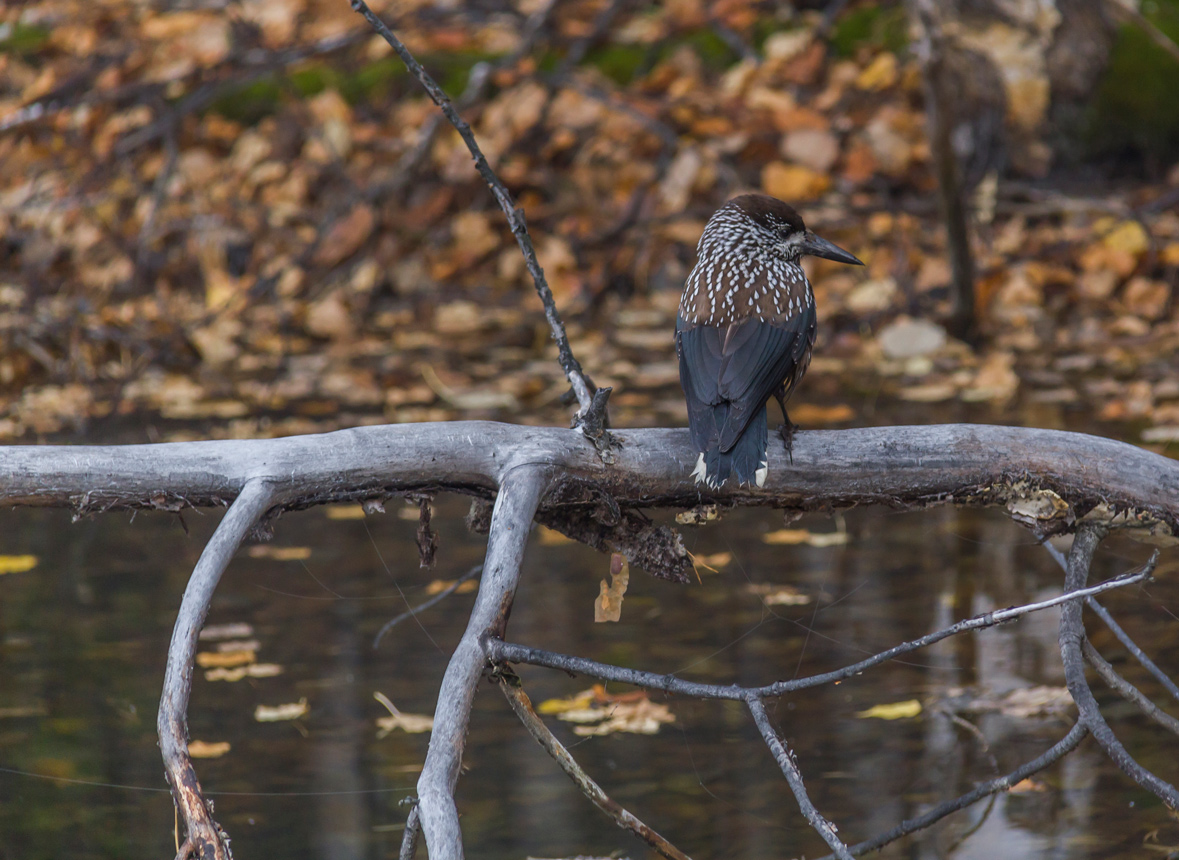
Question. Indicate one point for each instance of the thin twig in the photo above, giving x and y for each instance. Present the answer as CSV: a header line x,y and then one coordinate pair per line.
x,y
520,703
424,605
1049,757
569,363
785,758
1072,635
409,839
1127,690
1115,628
499,651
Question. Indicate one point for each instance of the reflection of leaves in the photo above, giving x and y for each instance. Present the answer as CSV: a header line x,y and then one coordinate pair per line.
x,y
224,659
892,711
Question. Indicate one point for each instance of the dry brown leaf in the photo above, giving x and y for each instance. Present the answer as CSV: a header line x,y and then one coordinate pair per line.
x,y
788,537
205,749
235,630
346,236
778,595
440,585
608,606
793,182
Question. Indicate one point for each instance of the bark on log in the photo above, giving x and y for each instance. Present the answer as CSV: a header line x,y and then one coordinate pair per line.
x,y
1050,478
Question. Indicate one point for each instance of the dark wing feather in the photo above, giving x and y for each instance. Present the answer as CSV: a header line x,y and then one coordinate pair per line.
x,y
729,373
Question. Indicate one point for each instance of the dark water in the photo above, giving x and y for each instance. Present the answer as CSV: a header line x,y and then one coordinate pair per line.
x,y
84,636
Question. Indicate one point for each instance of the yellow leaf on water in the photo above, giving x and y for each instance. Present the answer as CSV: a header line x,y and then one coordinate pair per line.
x,y
288,711
712,562
204,749
224,659
892,711
17,563
280,553
254,670
344,512
778,595
440,585
551,537
577,702
608,606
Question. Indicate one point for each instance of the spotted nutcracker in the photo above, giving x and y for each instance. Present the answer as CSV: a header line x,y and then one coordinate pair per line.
x,y
744,332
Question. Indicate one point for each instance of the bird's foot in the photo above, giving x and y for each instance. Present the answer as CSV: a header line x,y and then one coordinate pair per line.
x,y
786,431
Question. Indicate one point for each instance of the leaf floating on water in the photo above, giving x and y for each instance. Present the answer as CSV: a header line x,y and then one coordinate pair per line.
x,y
238,630
280,553
892,711
551,537
204,749
629,712
288,711
344,512
1026,786
224,659
778,595
712,562
17,563
254,670
608,606
412,724
440,585
790,537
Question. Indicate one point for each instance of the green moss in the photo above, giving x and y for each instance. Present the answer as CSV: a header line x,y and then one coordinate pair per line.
x,y
709,47
875,25
249,103
372,82
1135,112
621,63
22,39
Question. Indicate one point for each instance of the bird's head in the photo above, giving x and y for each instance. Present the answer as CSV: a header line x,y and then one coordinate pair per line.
x,y
780,228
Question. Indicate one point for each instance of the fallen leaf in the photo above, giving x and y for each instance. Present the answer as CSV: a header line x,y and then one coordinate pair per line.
x,y
1026,786
346,236
204,749
409,723
277,713
254,670
345,512
813,415
629,712
608,606
880,74
892,711
793,181
791,537
778,595
280,553
440,585
224,659
17,563
712,562
237,630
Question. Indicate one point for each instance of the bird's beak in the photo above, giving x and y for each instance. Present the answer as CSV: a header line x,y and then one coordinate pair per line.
x,y
817,247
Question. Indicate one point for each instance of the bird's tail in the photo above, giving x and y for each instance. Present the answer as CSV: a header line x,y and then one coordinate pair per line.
x,y
746,460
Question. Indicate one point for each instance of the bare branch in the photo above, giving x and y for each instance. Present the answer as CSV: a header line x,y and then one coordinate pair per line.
x,y
426,604
785,758
205,837
1072,635
515,216
511,521
509,652
409,839
520,703
1127,690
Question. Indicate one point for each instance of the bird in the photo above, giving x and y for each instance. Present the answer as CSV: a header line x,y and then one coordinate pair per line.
x,y
745,329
